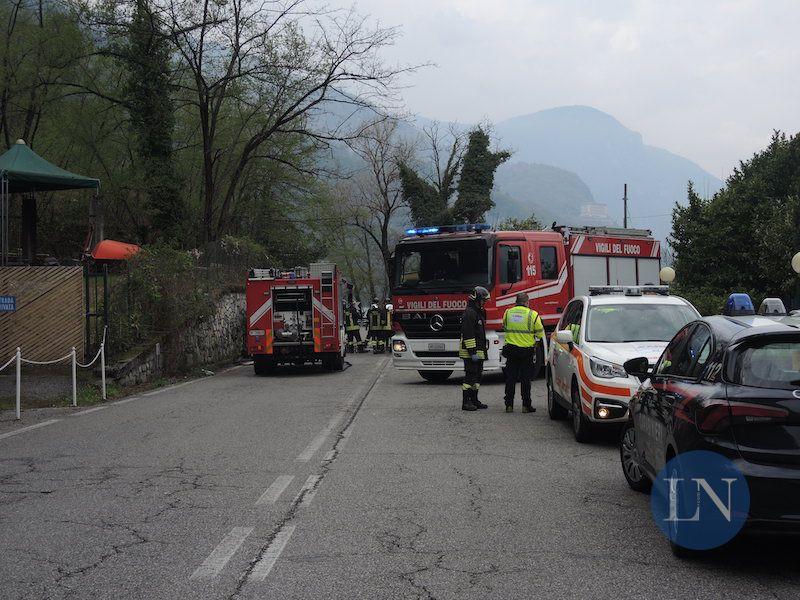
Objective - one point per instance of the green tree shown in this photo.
(530, 223)
(152, 111)
(743, 238)
(477, 178)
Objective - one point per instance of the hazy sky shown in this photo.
(707, 79)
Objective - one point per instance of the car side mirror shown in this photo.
(564, 336)
(638, 367)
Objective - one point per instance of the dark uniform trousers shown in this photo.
(519, 368)
(473, 372)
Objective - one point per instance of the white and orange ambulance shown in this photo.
(595, 336)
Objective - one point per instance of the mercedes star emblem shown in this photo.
(437, 322)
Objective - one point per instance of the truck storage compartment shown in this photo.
(292, 317)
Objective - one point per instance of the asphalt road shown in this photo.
(362, 484)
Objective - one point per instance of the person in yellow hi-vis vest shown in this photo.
(523, 330)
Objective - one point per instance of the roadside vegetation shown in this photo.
(743, 238)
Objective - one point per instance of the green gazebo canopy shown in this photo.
(26, 171)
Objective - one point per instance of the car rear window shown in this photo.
(774, 365)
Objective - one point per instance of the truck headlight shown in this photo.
(606, 370)
(398, 346)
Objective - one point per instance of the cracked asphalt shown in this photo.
(363, 484)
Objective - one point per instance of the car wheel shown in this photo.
(631, 468)
(581, 427)
(554, 409)
(677, 550)
(435, 376)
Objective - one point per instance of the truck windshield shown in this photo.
(617, 323)
(442, 265)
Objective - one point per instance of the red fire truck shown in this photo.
(295, 316)
(435, 267)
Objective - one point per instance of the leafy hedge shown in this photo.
(164, 289)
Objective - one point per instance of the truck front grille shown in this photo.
(423, 325)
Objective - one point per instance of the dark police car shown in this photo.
(730, 385)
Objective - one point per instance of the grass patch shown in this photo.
(88, 395)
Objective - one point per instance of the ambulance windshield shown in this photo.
(616, 323)
(457, 265)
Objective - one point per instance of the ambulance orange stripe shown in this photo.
(596, 387)
(586, 396)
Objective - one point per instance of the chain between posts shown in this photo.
(72, 357)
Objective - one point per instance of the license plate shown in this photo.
(436, 346)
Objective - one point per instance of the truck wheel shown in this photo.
(435, 376)
(338, 363)
(333, 362)
(262, 366)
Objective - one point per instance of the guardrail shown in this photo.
(72, 357)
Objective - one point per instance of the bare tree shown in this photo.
(375, 194)
(427, 188)
(256, 71)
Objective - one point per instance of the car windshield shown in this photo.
(637, 322)
(447, 265)
(772, 365)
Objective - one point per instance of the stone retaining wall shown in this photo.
(219, 338)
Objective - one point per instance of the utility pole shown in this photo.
(625, 207)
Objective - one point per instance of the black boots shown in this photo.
(470, 400)
(477, 402)
(466, 400)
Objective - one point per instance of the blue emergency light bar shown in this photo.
(477, 227)
(739, 305)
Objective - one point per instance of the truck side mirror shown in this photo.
(511, 268)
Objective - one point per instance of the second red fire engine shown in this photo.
(435, 268)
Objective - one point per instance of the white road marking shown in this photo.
(87, 411)
(275, 490)
(24, 429)
(308, 491)
(329, 455)
(220, 556)
(264, 566)
(317, 442)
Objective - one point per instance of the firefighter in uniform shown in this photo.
(387, 327)
(523, 330)
(352, 327)
(473, 347)
(375, 327)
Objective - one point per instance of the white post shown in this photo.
(103, 367)
(74, 378)
(19, 380)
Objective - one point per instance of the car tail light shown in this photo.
(715, 415)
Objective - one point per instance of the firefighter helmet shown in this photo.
(479, 293)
